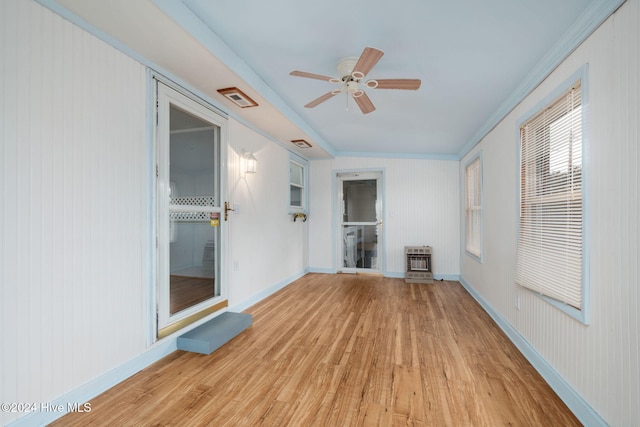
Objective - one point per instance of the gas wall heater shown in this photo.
(418, 264)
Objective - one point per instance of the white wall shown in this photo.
(600, 361)
(267, 247)
(75, 180)
(74, 169)
(421, 208)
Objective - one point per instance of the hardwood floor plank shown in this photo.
(344, 350)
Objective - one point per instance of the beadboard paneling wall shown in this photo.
(73, 208)
(421, 207)
(267, 247)
(600, 361)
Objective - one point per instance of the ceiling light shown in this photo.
(238, 97)
(301, 143)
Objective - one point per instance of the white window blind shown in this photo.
(474, 207)
(549, 258)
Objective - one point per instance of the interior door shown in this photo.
(359, 222)
(190, 243)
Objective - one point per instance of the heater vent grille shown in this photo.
(238, 97)
(418, 264)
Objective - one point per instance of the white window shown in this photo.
(550, 243)
(473, 208)
(297, 184)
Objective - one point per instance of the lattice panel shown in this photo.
(191, 201)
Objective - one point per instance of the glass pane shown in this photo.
(193, 264)
(360, 243)
(359, 200)
(296, 196)
(296, 174)
(193, 254)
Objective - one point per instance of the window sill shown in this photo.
(474, 256)
(579, 315)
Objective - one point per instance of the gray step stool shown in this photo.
(215, 333)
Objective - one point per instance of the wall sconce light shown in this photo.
(250, 162)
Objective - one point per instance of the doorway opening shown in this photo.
(359, 222)
(190, 184)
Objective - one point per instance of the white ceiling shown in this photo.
(475, 59)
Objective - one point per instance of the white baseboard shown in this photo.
(88, 391)
(436, 277)
(237, 308)
(580, 407)
(93, 388)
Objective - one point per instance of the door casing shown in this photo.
(353, 175)
(167, 95)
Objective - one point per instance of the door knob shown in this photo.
(227, 208)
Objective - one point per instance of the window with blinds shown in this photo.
(549, 258)
(473, 209)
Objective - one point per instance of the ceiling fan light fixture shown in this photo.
(345, 67)
(371, 84)
(352, 71)
(352, 87)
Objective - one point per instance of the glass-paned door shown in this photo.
(360, 222)
(189, 187)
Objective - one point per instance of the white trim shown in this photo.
(379, 155)
(304, 164)
(166, 96)
(436, 277)
(322, 270)
(188, 20)
(163, 348)
(580, 407)
(99, 385)
(597, 12)
(477, 156)
(582, 75)
(55, 7)
(379, 174)
(254, 299)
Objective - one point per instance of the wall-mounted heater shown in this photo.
(418, 264)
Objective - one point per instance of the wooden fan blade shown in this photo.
(310, 75)
(406, 84)
(320, 100)
(370, 57)
(365, 104)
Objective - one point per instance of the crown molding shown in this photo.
(585, 25)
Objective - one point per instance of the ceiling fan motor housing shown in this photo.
(351, 83)
(345, 67)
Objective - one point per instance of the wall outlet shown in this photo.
(517, 302)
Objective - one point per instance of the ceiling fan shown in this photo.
(353, 70)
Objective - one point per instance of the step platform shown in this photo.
(213, 334)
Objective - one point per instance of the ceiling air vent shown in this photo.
(301, 143)
(238, 97)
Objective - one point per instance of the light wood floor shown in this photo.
(343, 350)
(185, 291)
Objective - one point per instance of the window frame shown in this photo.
(580, 76)
(479, 208)
(304, 198)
